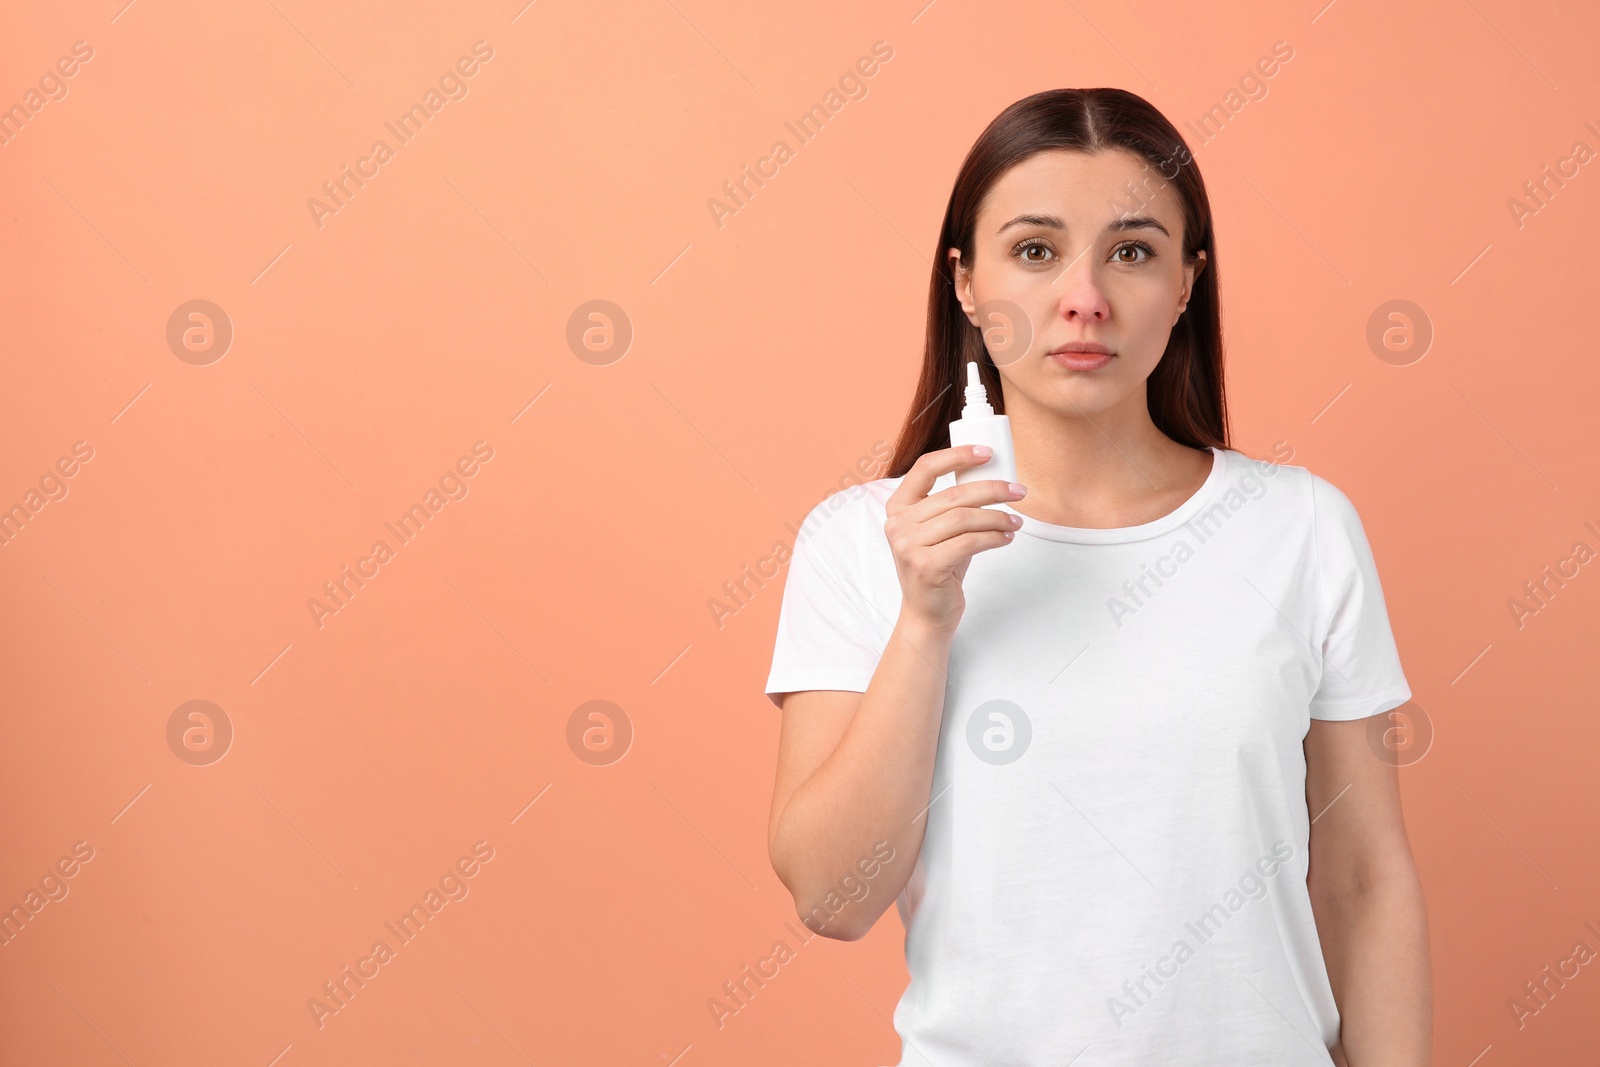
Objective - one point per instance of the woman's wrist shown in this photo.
(921, 631)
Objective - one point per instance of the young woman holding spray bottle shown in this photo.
(1112, 722)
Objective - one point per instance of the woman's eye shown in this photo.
(1024, 252)
(1136, 246)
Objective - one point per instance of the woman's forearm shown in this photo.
(1375, 944)
(875, 787)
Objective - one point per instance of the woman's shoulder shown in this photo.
(1300, 495)
(1247, 470)
(1274, 493)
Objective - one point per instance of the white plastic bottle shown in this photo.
(979, 425)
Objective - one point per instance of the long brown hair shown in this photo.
(1185, 390)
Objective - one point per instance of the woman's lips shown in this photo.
(1081, 360)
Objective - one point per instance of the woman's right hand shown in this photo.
(934, 538)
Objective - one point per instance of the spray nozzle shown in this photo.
(977, 396)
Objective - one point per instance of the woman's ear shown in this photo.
(961, 279)
(1190, 274)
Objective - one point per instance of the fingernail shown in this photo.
(982, 451)
(1020, 490)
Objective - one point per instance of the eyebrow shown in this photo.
(1126, 222)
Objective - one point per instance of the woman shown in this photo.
(1103, 735)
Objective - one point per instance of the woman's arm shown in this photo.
(855, 769)
(1367, 900)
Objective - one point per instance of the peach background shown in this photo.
(769, 355)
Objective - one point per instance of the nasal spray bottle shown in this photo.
(979, 425)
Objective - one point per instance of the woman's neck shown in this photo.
(1105, 470)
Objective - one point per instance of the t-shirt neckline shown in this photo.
(1118, 534)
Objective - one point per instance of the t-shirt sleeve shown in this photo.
(830, 632)
(1361, 672)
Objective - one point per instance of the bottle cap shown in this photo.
(977, 395)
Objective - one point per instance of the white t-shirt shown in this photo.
(1114, 864)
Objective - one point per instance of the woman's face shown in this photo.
(1065, 241)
